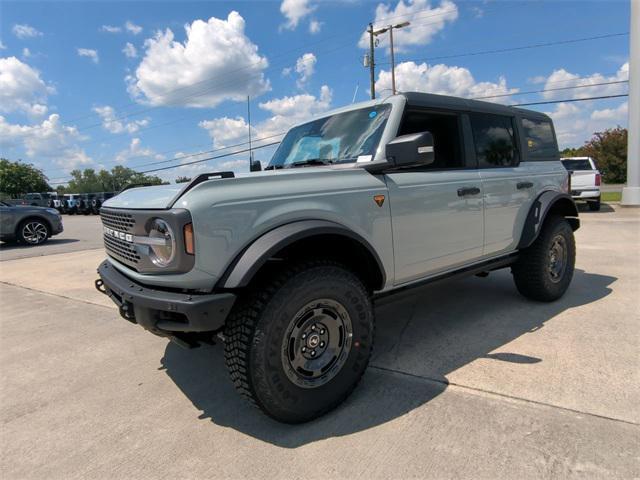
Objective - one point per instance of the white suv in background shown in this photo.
(585, 180)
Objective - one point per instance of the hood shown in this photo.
(159, 196)
(164, 196)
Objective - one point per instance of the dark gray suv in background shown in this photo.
(28, 225)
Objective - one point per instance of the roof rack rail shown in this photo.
(135, 185)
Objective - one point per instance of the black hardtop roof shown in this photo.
(418, 99)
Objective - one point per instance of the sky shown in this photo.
(153, 84)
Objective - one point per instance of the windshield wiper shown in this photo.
(311, 162)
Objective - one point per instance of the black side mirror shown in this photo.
(255, 166)
(414, 149)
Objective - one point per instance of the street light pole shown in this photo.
(393, 63)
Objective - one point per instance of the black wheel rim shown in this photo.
(317, 343)
(34, 233)
(557, 262)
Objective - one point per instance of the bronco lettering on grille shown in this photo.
(110, 232)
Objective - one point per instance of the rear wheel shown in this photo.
(594, 205)
(544, 270)
(298, 345)
(33, 232)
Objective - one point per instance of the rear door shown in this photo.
(436, 211)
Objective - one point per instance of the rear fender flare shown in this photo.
(546, 201)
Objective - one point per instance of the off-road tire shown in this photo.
(33, 228)
(594, 205)
(531, 272)
(260, 321)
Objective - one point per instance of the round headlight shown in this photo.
(162, 251)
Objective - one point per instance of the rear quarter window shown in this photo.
(539, 139)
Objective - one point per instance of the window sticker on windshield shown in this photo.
(373, 114)
(364, 158)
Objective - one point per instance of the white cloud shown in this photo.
(21, 88)
(618, 114)
(217, 62)
(113, 124)
(562, 78)
(305, 67)
(285, 112)
(439, 79)
(315, 26)
(2, 46)
(26, 53)
(48, 140)
(294, 11)
(136, 151)
(426, 22)
(23, 31)
(110, 29)
(89, 53)
(130, 50)
(226, 131)
(133, 28)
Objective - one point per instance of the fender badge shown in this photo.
(379, 199)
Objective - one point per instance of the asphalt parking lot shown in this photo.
(468, 380)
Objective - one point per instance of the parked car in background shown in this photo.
(28, 224)
(99, 199)
(38, 199)
(585, 180)
(70, 203)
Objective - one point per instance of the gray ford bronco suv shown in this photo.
(285, 264)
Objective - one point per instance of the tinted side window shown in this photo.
(494, 139)
(541, 145)
(446, 136)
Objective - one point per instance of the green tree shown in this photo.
(88, 181)
(18, 178)
(609, 149)
(183, 179)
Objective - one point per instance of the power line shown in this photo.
(569, 100)
(552, 89)
(514, 49)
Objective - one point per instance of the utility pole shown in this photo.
(249, 122)
(372, 64)
(631, 193)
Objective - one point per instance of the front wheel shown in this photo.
(33, 232)
(298, 345)
(544, 270)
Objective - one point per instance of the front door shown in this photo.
(437, 211)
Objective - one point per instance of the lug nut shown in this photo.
(313, 327)
(304, 335)
(304, 349)
(321, 344)
(313, 353)
(322, 332)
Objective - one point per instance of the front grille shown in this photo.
(120, 249)
(123, 222)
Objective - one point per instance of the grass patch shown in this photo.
(611, 196)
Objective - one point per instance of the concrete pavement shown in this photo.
(468, 380)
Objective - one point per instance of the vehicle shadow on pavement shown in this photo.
(419, 340)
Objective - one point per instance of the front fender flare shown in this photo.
(252, 258)
(546, 201)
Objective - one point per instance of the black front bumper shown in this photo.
(161, 311)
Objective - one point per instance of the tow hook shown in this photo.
(100, 286)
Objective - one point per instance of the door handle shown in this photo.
(523, 185)
(462, 192)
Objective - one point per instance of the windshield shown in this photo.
(340, 138)
(577, 164)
